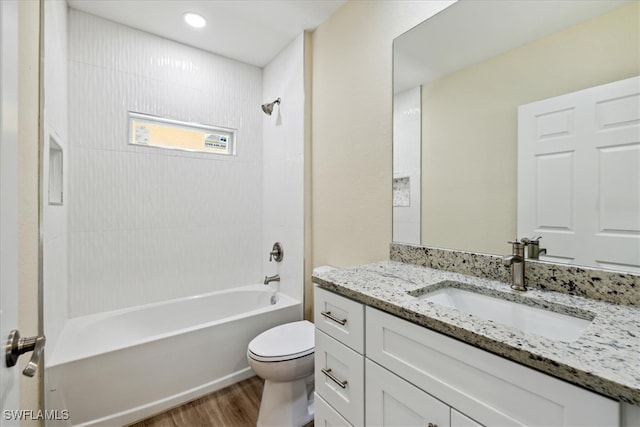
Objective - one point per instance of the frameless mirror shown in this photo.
(460, 80)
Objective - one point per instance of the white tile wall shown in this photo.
(149, 224)
(283, 175)
(55, 233)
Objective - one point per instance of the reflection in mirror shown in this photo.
(406, 165)
(476, 63)
(579, 175)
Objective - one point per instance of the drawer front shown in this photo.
(485, 387)
(392, 401)
(325, 416)
(339, 377)
(340, 318)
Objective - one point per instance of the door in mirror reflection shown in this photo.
(579, 176)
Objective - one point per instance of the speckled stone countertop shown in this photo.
(605, 358)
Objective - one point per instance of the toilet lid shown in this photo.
(284, 342)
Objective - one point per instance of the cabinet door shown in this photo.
(460, 420)
(339, 377)
(391, 401)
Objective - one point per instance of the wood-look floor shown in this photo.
(234, 406)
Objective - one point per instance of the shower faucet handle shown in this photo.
(277, 252)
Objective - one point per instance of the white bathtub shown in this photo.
(117, 367)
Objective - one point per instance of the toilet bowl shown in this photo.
(283, 357)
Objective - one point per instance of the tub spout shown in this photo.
(269, 279)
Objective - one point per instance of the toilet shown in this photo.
(283, 357)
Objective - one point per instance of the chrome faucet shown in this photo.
(269, 279)
(516, 262)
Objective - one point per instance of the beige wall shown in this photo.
(352, 126)
(470, 141)
(28, 93)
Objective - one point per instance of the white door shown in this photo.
(579, 175)
(8, 200)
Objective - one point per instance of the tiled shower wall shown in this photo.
(147, 224)
(54, 231)
(283, 166)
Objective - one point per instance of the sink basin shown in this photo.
(549, 324)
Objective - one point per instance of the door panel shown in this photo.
(9, 391)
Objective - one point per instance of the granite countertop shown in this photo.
(605, 358)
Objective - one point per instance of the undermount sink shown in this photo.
(544, 322)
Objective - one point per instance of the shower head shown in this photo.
(268, 108)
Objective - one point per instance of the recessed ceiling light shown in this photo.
(195, 20)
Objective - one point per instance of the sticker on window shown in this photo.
(158, 132)
(216, 141)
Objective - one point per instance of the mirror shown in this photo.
(459, 78)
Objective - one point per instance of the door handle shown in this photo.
(17, 346)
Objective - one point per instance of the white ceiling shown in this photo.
(250, 31)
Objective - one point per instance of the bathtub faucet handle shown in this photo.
(277, 252)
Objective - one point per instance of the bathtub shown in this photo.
(118, 367)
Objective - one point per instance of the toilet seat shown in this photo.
(285, 342)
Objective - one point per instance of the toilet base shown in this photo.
(286, 404)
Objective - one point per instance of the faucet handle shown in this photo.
(277, 252)
(517, 248)
(531, 241)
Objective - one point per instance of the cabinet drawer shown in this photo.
(392, 401)
(339, 377)
(488, 388)
(325, 416)
(340, 318)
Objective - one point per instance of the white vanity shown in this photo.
(374, 368)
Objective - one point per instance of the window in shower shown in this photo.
(153, 131)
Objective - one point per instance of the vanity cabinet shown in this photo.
(487, 388)
(415, 376)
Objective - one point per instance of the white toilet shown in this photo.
(283, 357)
